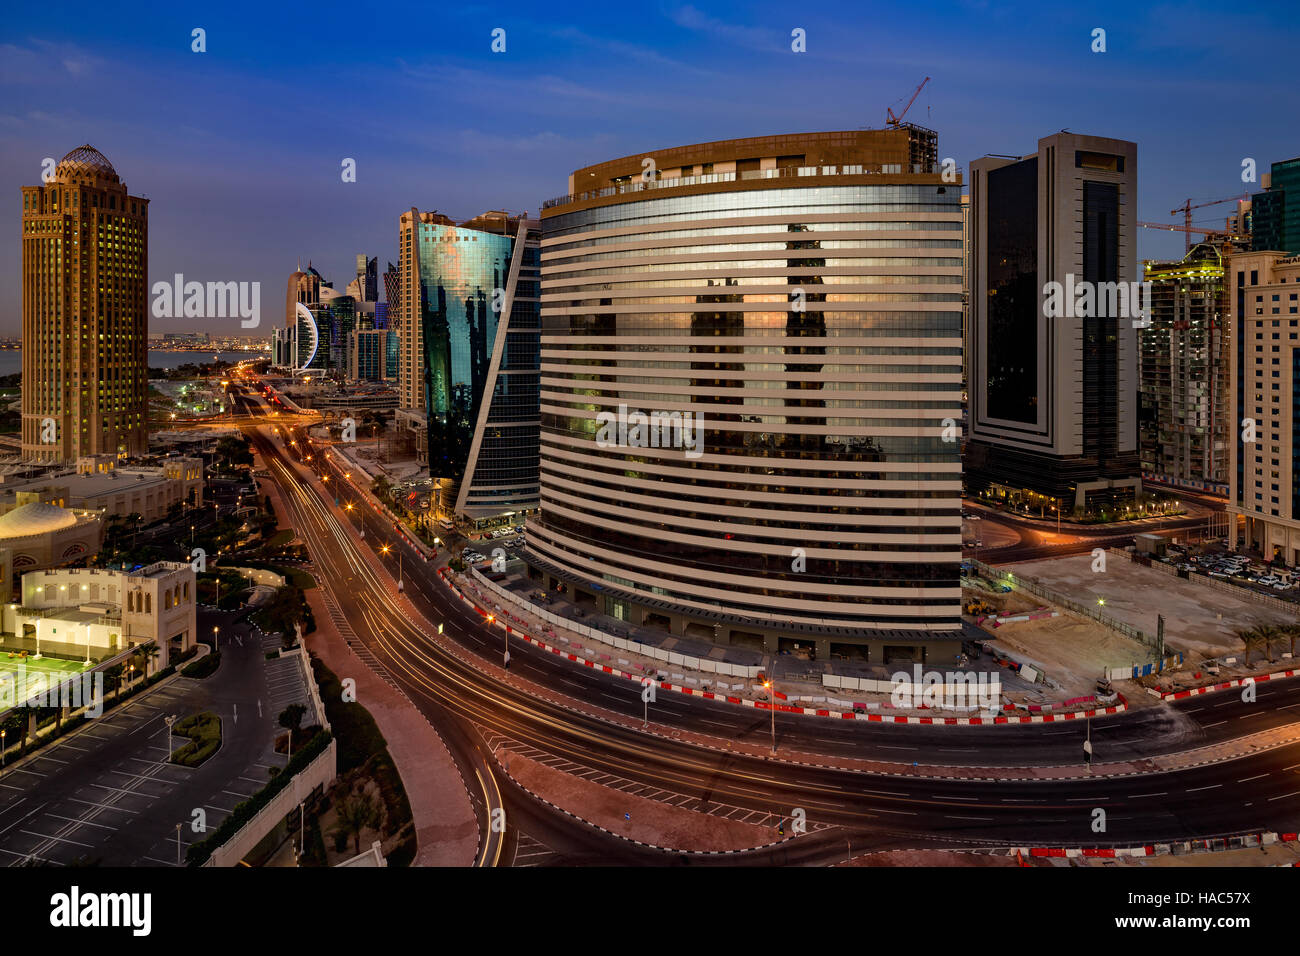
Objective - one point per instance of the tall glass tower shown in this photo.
(794, 304)
(468, 328)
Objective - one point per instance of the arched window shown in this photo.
(148, 604)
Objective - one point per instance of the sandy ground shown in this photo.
(652, 822)
(1198, 619)
(1072, 651)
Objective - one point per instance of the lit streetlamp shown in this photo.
(771, 703)
(384, 550)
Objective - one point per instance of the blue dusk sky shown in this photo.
(240, 148)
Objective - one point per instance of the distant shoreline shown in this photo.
(11, 361)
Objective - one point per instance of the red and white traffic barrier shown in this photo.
(1228, 685)
(855, 714)
(1246, 841)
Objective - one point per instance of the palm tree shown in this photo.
(355, 813)
(1291, 632)
(1251, 638)
(114, 674)
(1268, 634)
(144, 655)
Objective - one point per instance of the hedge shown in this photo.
(204, 731)
(204, 667)
(199, 853)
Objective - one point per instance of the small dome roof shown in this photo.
(86, 161)
(36, 517)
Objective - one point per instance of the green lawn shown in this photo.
(11, 661)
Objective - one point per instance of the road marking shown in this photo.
(1139, 796)
(46, 836)
(1212, 786)
(88, 823)
(1208, 726)
(1249, 779)
(1284, 796)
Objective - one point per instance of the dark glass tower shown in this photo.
(469, 333)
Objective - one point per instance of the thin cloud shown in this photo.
(754, 38)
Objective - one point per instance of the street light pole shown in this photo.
(169, 720)
(771, 703)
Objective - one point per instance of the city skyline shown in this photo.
(506, 128)
(729, 437)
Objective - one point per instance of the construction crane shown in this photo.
(893, 120)
(1195, 230)
(1187, 207)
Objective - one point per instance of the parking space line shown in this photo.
(79, 822)
(103, 806)
(46, 836)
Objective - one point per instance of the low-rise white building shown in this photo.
(99, 613)
(100, 484)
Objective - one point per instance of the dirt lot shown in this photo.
(1198, 619)
(1071, 651)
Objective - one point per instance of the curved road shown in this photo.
(471, 707)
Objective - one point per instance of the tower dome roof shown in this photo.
(86, 161)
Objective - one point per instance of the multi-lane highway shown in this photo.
(471, 707)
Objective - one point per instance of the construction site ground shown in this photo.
(1072, 651)
(1199, 620)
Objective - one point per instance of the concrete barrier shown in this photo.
(318, 773)
(704, 665)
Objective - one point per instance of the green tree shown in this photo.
(114, 676)
(1268, 634)
(1252, 638)
(291, 717)
(355, 813)
(283, 611)
(1291, 632)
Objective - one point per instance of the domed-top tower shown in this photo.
(85, 320)
(85, 162)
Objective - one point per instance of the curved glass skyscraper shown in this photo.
(751, 384)
(468, 327)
